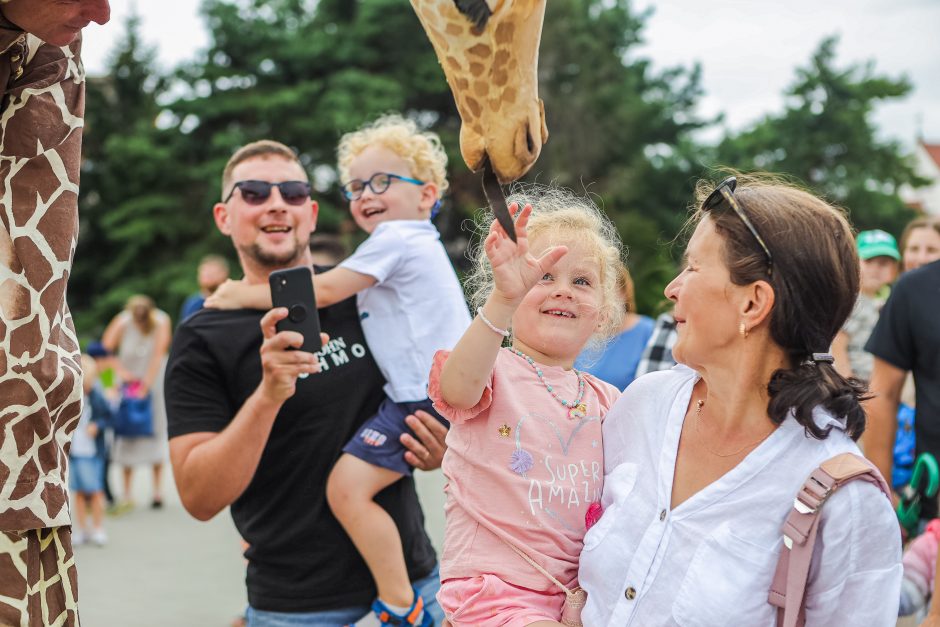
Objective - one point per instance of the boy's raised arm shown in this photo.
(330, 287)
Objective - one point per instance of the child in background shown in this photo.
(86, 462)
(879, 263)
(411, 304)
(524, 462)
(920, 567)
(110, 388)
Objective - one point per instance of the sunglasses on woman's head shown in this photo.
(257, 192)
(724, 194)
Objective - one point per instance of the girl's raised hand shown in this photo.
(515, 270)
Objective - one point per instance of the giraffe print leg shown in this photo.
(38, 582)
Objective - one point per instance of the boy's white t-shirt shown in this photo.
(416, 308)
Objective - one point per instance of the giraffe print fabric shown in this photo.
(40, 377)
(38, 583)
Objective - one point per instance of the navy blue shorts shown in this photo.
(377, 441)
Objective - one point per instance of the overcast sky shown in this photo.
(748, 50)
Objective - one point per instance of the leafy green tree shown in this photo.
(826, 137)
(620, 130)
(135, 195)
(304, 72)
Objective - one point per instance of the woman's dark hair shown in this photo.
(815, 278)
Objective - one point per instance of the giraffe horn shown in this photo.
(477, 11)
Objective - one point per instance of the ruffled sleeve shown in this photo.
(453, 414)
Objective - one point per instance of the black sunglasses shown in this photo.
(724, 193)
(257, 192)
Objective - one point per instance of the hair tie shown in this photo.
(823, 358)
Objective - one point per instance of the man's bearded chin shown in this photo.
(274, 261)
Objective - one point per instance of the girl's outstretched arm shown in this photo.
(467, 370)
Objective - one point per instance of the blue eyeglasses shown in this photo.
(378, 183)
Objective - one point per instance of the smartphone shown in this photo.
(293, 289)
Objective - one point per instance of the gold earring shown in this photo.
(743, 330)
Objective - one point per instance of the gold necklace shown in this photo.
(698, 416)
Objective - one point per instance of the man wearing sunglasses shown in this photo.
(245, 432)
(40, 377)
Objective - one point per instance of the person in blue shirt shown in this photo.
(615, 362)
(213, 272)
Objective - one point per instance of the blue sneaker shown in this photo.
(415, 617)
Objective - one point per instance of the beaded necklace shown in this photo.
(576, 408)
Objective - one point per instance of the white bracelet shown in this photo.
(492, 326)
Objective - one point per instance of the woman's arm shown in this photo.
(111, 339)
(855, 578)
(161, 346)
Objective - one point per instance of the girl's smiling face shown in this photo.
(562, 311)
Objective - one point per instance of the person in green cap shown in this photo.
(880, 261)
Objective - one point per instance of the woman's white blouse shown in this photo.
(710, 561)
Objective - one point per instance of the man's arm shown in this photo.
(840, 352)
(213, 469)
(882, 409)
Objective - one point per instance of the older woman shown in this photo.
(920, 242)
(703, 461)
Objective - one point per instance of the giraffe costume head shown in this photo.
(489, 52)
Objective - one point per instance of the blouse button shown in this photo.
(662, 515)
(630, 593)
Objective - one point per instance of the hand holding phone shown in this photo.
(293, 290)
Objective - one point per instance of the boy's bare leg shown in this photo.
(128, 476)
(350, 490)
(81, 511)
(157, 486)
(97, 510)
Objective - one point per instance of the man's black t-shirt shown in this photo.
(907, 336)
(300, 559)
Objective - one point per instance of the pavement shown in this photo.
(164, 568)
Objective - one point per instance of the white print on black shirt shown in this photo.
(336, 351)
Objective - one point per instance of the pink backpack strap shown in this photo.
(788, 590)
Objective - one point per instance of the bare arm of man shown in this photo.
(882, 409)
(840, 351)
(213, 469)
